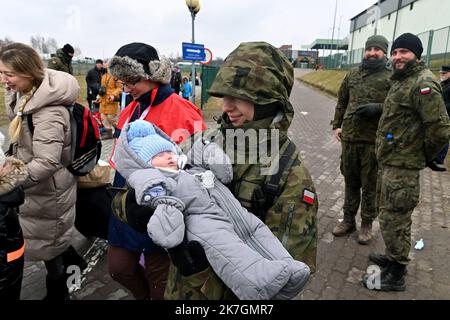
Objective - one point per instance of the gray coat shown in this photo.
(240, 248)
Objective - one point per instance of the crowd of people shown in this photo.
(213, 217)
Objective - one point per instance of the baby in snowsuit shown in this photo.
(240, 248)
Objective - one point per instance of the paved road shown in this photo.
(341, 262)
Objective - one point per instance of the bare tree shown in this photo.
(43, 45)
(52, 45)
(5, 41)
(77, 52)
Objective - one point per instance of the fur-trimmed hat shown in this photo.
(139, 61)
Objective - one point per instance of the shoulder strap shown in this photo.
(272, 188)
(30, 123)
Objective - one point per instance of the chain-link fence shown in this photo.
(436, 44)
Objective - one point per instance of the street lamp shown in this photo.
(194, 8)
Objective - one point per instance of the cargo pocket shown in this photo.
(403, 195)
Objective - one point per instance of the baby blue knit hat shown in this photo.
(146, 142)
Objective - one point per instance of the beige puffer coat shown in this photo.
(48, 214)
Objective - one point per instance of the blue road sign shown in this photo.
(193, 52)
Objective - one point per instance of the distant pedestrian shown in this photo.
(186, 91)
(93, 83)
(109, 96)
(175, 80)
(412, 130)
(62, 61)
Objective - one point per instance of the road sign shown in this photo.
(193, 52)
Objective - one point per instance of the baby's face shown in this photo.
(166, 160)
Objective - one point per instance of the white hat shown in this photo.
(2, 154)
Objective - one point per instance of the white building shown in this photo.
(429, 19)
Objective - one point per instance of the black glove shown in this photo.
(433, 165)
(189, 258)
(137, 216)
(370, 110)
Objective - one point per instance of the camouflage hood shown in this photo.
(256, 72)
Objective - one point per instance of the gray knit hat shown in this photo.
(139, 61)
(378, 41)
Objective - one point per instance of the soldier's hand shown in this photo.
(370, 110)
(189, 258)
(137, 216)
(338, 134)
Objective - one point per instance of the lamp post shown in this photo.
(194, 8)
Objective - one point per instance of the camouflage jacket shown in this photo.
(61, 62)
(360, 87)
(414, 126)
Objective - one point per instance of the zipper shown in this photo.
(240, 224)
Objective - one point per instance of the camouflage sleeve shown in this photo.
(292, 218)
(54, 64)
(341, 107)
(427, 97)
(126, 209)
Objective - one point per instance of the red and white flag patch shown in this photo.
(426, 90)
(309, 197)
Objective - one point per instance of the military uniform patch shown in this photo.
(426, 90)
(308, 197)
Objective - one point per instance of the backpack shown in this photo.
(86, 145)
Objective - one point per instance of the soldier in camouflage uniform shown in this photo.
(255, 83)
(62, 61)
(413, 128)
(355, 124)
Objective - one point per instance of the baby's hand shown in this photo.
(153, 192)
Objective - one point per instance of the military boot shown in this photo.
(381, 260)
(365, 233)
(345, 227)
(391, 278)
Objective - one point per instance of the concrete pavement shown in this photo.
(341, 261)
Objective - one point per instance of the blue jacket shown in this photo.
(187, 89)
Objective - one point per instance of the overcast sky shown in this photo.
(100, 27)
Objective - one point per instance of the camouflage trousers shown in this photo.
(205, 285)
(359, 168)
(398, 193)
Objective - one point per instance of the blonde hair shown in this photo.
(25, 61)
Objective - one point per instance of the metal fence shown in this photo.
(436, 44)
(80, 68)
(207, 77)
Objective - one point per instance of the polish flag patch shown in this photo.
(425, 90)
(308, 197)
